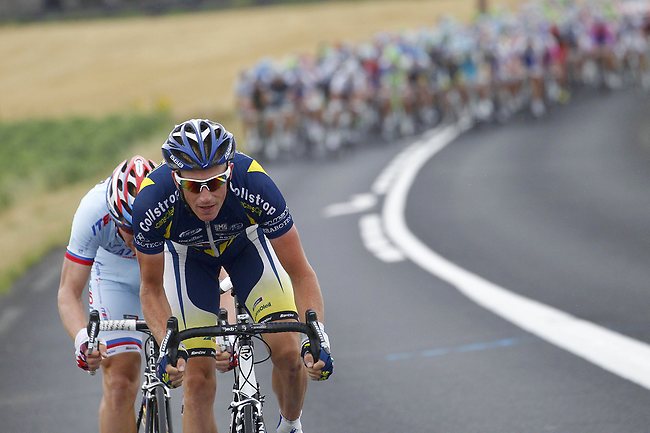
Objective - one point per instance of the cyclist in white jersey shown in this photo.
(101, 253)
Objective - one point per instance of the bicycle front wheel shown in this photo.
(248, 419)
(157, 413)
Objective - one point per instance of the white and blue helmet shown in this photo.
(197, 144)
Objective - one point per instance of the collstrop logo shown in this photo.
(254, 199)
(163, 208)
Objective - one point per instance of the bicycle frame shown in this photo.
(246, 407)
(155, 395)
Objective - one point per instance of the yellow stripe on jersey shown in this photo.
(224, 245)
(146, 182)
(256, 167)
(221, 247)
(168, 230)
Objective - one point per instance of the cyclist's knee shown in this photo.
(121, 383)
(200, 378)
(286, 354)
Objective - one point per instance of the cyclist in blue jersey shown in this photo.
(211, 208)
(101, 252)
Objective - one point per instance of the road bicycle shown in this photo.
(246, 406)
(155, 404)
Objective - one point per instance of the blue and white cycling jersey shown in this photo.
(114, 285)
(252, 199)
(253, 212)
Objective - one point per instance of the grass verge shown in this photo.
(40, 218)
(187, 62)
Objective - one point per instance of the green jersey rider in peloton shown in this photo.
(101, 250)
(210, 207)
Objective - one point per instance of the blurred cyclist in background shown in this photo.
(101, 251)
(211, 208)
(488, 70)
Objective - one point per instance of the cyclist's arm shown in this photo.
(74, 277)
(306, 292)
(155, 307)
(226, 300)
(303, 278)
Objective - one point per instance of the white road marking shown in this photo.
(616, 353)
(376, 242)
(8, 317)
(358, 203)
(385, 179)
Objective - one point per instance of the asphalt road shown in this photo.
(553, 210)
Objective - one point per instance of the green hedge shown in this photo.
(47, 154)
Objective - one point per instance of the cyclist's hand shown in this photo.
(324, 368)
(94, 359)
(225, 360)
(321, 370)
(172, 376)
(85, 361)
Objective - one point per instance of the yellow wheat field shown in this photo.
(188, 62)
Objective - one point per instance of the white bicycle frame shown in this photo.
(245, 390)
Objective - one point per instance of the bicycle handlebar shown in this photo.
(95, 325)
(173, 337)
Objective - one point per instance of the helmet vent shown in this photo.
(126, 208)
(198, 144)
(133, 191)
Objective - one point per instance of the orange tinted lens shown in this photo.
(195, 185)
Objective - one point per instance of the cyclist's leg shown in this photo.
(121, 379)
(116, 298)
(191, 289)
(266, 289)
(200, 384)
(289, 375)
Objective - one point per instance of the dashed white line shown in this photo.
(616, 353)
(358, 203)
(375, 241)
(385, 179)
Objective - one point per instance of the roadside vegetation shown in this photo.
(153, 72)
(47, 155)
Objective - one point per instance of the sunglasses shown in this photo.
(196, 185)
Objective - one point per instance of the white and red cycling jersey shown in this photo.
(114, 284)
